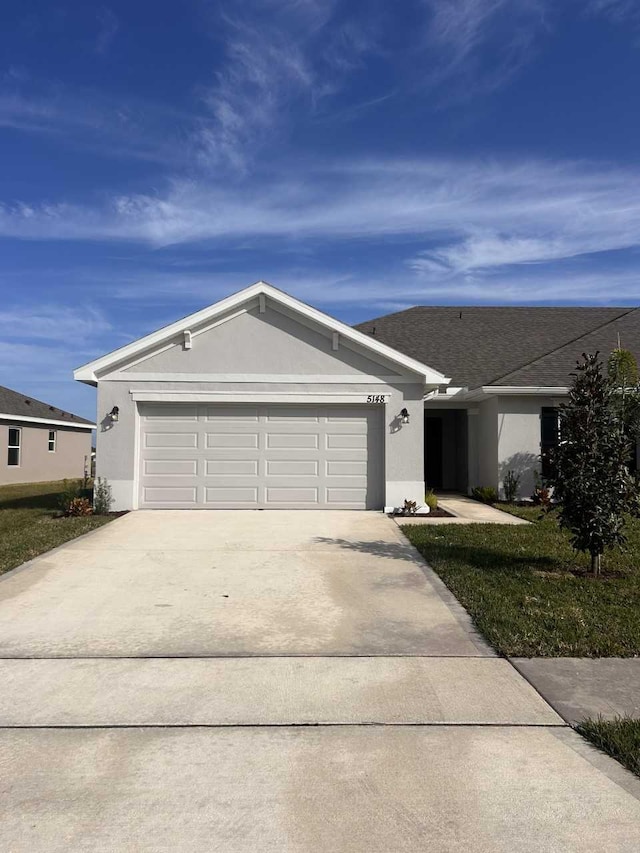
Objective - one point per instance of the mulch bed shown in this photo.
(435, 513)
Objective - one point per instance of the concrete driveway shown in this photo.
(283, 682)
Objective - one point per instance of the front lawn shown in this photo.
(530, 595)
(29, 522)
(619, 737)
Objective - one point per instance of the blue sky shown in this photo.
(364, 155)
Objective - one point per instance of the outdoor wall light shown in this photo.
(404, 414)
(114, 414)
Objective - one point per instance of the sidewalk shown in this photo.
(578, 688)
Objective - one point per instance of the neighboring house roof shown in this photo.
(198, 322)
(530, 347)
(14, 405)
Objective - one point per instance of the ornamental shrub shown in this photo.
(485, 494)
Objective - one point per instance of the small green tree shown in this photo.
(622, 369)
(591, 479)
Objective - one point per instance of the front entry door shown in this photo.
(433, 453)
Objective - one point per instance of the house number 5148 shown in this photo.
(375, 398)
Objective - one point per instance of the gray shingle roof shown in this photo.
(506, 346)
(14, 403)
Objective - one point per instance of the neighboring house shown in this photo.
(40, 442)
(263, 401)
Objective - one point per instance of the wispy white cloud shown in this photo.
(618, 11)
(264, 70)
(377, 291)
(52, 323)
(467, 214)
(88, 119)
(553, 284)
(280, 57)
(482, 43)
(277, 61)
(108, 27)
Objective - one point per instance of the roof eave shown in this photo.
(485, 391)
(8, 416)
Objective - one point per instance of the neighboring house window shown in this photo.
(13, 450)
(52, 441)
(549, 438)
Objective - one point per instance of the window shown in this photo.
(13, 449)
(549, 438)
(52, 441)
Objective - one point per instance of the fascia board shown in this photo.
(25, 419)
(528, 390)
(87, 372)
(486, 391)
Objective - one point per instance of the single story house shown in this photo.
(40, 441)
(261, 401)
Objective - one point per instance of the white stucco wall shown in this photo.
(116, 450)
(519, 438)
(485, 424)
(261, 346)
(269, 343)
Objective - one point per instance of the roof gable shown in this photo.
(262, 293)
(251, 343)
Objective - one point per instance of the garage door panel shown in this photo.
(292, 467)
(293, 440)
(169, 440)
(340, 441)
(262, 456)
(238, 414)
(238, 467)
(170, 495)
(168, 413)
(225, 495)
(232, 439)
(346, 468)
(349, 422)
(288, 414)
(355, 496)
(169, 467)
(291, 495)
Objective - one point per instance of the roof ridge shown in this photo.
(467, 307)
(562, 346)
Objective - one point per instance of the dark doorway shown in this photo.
(445, 449)
(433, 452)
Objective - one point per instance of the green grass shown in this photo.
(530, 594)
(30, 522)
(620, 738)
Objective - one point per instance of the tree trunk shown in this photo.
(595, 564)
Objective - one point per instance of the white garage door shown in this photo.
(244, 456)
